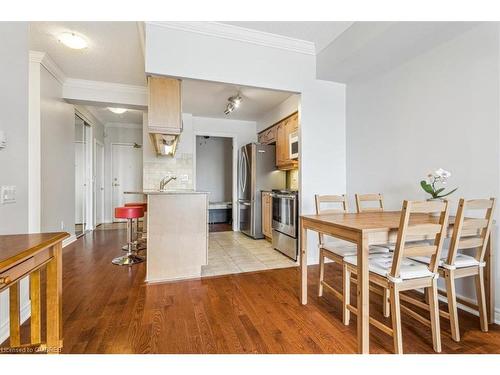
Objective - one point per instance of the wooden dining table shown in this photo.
(363, 230)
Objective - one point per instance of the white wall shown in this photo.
(14, 67)
(14, 122)
(123, 133)
(206, 57)
(214, 167)
(57, 127)
(284, 109)
(441, 109)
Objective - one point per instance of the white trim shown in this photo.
(112, 94)
(105, 86)
(46, 61)
(122, 125)
(34, 142)
(142, 37)
(234, 138)
(466, 308)
(242, 34)
(69, 240)
(97, 189)
(25, 313)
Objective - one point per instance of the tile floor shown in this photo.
(233, 252)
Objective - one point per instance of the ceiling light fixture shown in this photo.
(118, 111)
(72, 40)
(233, 103)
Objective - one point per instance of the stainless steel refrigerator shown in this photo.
(257, 172)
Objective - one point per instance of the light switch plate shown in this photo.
(7, 194)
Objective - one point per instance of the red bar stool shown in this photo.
(129, 213)
(140, 232)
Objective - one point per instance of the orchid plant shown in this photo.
(434, 182)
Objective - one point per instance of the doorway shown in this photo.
(214, 173)
(82, 157)
(126, 172)
(99, 183)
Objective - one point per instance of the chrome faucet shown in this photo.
(165, 180)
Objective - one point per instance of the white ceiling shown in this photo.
(370, 48)
(114, 53)
(103, 114)
(209, 99)
(206, 99)
(321, 33)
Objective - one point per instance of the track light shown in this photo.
(233, 103)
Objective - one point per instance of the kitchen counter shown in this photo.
(163, 192)
(177, 234)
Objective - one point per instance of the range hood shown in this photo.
(165, 144)
(164, 114)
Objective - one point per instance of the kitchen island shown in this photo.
(177, 234)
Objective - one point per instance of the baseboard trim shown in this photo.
(69, 240)
(463, 307)
(25, 313)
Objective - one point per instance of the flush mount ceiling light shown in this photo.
(118, 111)
(233, 103)
(72, 40)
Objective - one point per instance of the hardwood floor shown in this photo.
(109, 309)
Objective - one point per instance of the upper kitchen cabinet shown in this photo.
(164, 105)
(285, 135)
(286, 142)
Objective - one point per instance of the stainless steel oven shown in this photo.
(285, 222)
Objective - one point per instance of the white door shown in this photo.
(126, 175)
(99, 184)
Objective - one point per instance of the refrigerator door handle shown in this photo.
(245, 165)
(241, 174)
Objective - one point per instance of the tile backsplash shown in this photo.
(180, 166)
(292, 179)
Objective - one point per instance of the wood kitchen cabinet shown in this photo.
(164, 105)
(268, 136)
(285, 129)
(279, 134)
(267, 214)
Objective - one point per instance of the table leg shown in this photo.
(303, 264)
(363, 290)
(489, 281)
(54, 301)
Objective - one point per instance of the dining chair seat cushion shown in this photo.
(461, 261)
(381, 264)
(350, 250)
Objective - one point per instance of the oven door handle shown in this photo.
(279, 196)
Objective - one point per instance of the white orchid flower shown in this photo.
(443, 173)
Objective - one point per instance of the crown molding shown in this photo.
(46, 61)
(242, 34)
(101, 85)
(122, 125)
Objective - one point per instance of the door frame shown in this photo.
(111, 213)
(95, 187)
(234, 137)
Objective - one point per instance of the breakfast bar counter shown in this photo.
(177, 234)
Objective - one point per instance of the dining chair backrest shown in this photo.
(471, 232)
(322, 200)
(360, 198)
(417, 222)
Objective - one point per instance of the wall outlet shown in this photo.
(7, 194)
(62, 225)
